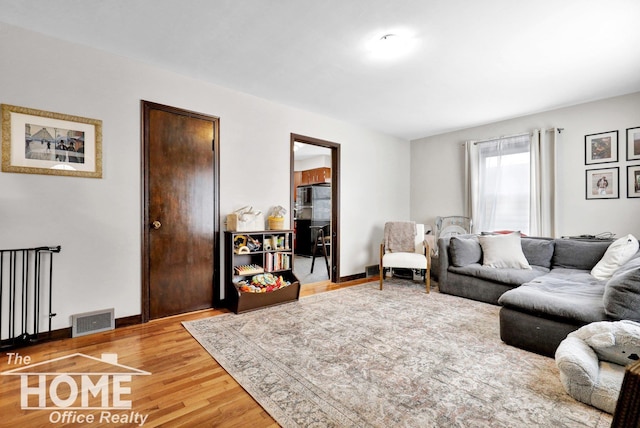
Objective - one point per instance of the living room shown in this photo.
(97, 222)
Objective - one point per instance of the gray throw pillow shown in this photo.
(464, 251)
(538, 251)
(578, 254)
(622, 293)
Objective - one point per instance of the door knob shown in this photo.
(156, 225)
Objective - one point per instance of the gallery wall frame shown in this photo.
(633, 181)
(603, 183)
(601, 148)
(44, 142)
(633, 143)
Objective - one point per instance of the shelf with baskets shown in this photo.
(259, 269)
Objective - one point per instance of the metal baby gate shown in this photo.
(26, 285)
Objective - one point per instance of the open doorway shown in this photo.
(314, 208)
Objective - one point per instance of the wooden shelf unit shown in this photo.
(278, 249)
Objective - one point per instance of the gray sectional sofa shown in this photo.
(541, 305)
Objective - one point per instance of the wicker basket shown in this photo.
(627, 412)
(276, 223)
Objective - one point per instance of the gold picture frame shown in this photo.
(43, 142)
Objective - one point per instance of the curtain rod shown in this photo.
(514, 135)
(500, 138)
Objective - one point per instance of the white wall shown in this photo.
(437, 167)
(98, 221)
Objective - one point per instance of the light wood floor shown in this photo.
(186, 387)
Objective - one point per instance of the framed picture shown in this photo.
(602, 183)
(633, 181)
(601, 148)
(633, 143)
(42, 142)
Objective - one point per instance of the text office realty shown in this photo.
(78, 388)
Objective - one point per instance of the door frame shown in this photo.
(335, 196)
(146, 107)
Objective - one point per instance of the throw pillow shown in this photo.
(577, 253)
(618, 253)
(464, 251)
(622, 293)
(503, 251)
(538, 251)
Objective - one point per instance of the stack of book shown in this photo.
(277, 261)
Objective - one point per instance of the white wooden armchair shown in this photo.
(404, 258)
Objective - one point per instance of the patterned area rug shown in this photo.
(361, 357)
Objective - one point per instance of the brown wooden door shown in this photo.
(180, 201)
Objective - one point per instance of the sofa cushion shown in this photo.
(538, 251)
(622, 292)
(577, 254)
(508, 276)
(464, 251)
(503, 251)
(565, 293)
(616, 255)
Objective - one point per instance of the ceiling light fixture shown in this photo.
(391, 45)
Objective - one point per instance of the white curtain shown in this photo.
(542, 220)
(471, 161)
(510, 183)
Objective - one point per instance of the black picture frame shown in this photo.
(633, 143)
(601, 148)
(603, 183)
(633, 181)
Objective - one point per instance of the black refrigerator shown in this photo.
(313, 208)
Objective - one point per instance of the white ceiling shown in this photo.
(475, 62)
(307, 151)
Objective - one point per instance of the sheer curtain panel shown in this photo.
(510, 183)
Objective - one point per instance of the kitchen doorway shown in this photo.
(315, 208)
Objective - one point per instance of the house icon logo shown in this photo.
(79, 388)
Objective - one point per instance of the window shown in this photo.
(502, 185)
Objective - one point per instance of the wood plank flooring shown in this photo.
(186, 387)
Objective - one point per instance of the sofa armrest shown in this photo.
(443, 259)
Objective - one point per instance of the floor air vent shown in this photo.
(92, 322)
(372, 270)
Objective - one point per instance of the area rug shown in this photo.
(361, 357)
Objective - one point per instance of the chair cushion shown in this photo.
(565, 293)
(508, 276)
(404, 260)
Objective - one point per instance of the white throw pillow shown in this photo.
(618, 253)
(503, 251)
